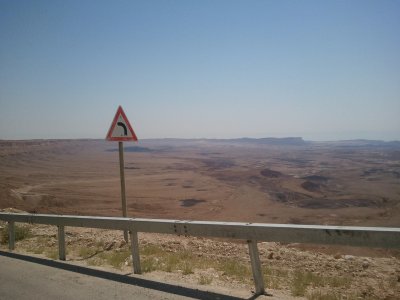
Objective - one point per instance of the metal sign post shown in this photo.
(122, 175)
(121, 130)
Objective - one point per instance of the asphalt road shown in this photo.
(25, 277)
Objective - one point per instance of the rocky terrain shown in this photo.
(266, 180)
(289, 270)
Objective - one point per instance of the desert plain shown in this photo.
(253, 180)
(269, 180)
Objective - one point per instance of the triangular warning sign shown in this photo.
(121, 129)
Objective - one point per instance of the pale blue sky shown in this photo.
(323, 70)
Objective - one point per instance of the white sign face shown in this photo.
(121, 129)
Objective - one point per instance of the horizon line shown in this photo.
(214, 139)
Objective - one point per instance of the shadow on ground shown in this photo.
(145, 283)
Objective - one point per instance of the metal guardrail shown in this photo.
(381, 237)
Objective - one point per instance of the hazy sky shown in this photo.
(323, 70)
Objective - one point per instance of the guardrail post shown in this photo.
(11, 235)
(256, 267)
(135, 252)
(61, 242)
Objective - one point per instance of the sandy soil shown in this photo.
(206, 180)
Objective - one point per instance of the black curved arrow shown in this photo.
(124, 127)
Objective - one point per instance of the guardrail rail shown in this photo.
(381, 237)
